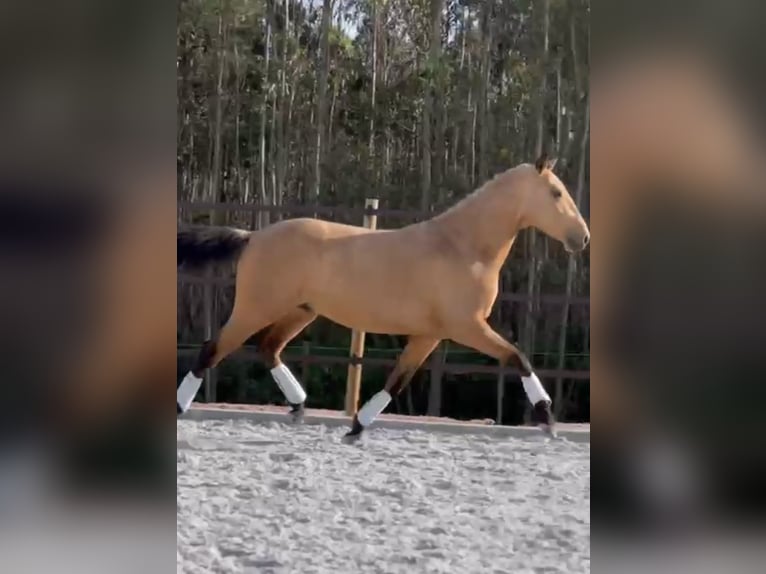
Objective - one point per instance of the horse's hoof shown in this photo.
(355, 433)
(549, 430)
(296, 414)
(351, 437)
(543, 418)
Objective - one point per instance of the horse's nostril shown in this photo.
(577, 242)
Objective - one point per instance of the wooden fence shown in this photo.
(305, 358)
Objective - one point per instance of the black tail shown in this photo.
(201, 245)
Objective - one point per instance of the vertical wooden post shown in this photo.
(354, 379)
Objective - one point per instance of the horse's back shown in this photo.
(296, 247)
(314, 229)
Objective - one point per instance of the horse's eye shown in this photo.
(556, 193)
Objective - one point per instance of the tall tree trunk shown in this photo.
(289, 156)
(481, 102)
(469, 160)
(474, 116)
(386, 161)
(543, 69)
(533, 266)
(331, 118)
(237, 160)
(215, 168)
(578, 81)
(273, 143)
(456, 135)
(437, 89)
(558, 108)
(264, 216)
(425, 148)
(374, 62)
(323, 72)
(284, 106)
(248, 196)
(575, 60)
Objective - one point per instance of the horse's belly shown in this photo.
(382, 318)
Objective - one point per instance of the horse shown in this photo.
(429, 281)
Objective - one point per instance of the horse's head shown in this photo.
(548, 206)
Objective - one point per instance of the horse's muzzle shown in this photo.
(576, 242)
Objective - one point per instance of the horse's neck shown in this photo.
(473, 227)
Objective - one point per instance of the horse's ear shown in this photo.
(541, 161)
(544, 162)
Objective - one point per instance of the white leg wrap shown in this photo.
(534, 389)
(372, 408)
(187, 390)
(288, 384)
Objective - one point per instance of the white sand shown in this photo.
(279, 499)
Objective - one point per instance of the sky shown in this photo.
(350, 28)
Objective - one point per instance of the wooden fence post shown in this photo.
(354, 378)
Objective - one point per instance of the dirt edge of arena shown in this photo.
(576, 432)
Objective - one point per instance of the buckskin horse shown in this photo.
(433, 280)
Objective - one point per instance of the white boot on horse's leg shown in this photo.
(292, 390)
(186, 391)
(367, 415)
(541, 403)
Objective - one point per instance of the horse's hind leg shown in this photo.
(271, 343)
(416, 351)
(235, 332)
(480, 336)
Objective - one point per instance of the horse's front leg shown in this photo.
(480, 336)
(416, 351)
